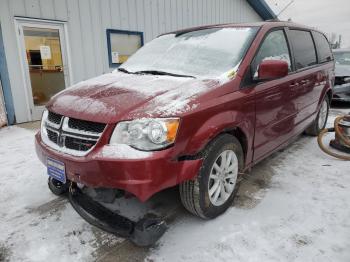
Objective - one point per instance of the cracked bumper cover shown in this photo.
(144, 232)
(141, 177)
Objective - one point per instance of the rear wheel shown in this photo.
(321, 119)
(213, 191)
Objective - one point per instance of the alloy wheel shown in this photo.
(223, 177)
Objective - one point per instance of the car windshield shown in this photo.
(202, 53)
(342, 58)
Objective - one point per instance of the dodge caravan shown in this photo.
(195, 108)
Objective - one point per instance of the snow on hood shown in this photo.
(113, 95)
(342, 70)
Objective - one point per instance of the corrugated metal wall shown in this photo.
(87, 21)
(3, 120)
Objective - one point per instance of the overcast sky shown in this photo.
(329, 16)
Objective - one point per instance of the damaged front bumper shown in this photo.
(144, 232)
(140, 177)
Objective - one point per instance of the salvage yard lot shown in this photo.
(293, 206)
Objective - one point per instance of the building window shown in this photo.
(121, 45)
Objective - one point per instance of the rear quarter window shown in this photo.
(303, 48)
(323, 49)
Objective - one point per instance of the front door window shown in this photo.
(274, 47)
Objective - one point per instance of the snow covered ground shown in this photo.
(294, 206)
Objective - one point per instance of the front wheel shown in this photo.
(213, 191)
(57, 187)
(321, 119)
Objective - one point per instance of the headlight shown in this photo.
(42, 126)
(146, 133)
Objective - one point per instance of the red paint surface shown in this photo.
(272, 69)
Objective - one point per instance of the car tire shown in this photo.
(321, 120)
(57, 187)
(197, 195)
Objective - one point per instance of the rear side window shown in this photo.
(323, 50)
(274, 47)
(303, 48)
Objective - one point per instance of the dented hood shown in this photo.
(116, 96)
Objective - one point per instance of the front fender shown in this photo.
(226, 114)
(213, 126)
(223, 122)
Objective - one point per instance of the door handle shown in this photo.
(273, 97)
(294, 86)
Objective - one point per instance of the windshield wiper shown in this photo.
(124, 70)
(156, 72)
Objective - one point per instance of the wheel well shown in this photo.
(236, 132)
(239, 134)
(330, 95)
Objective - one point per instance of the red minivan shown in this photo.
(195, 108)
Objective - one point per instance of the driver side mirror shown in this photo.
(272, 69)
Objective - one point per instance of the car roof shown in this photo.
(264, 24)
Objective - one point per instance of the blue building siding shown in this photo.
(5, 81)
(262, 8)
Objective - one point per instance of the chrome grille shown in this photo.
(54, 118)
(86, 126)
(70, 135)
(79, 144)
(53, 136)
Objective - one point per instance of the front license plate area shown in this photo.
(56, 169)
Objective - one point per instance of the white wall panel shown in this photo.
(75, 41)
(140, 14)
(32, 8)
(124, 14)
(61, 9)
(7, 12)
(115, 13)
(47, 9)
(148, 33)
(16, 7)
(96, 30)
(106, 22)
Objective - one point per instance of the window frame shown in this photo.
(110, 31)
(262, 42)
(248, 80)
(314, 44)
(313, 32)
